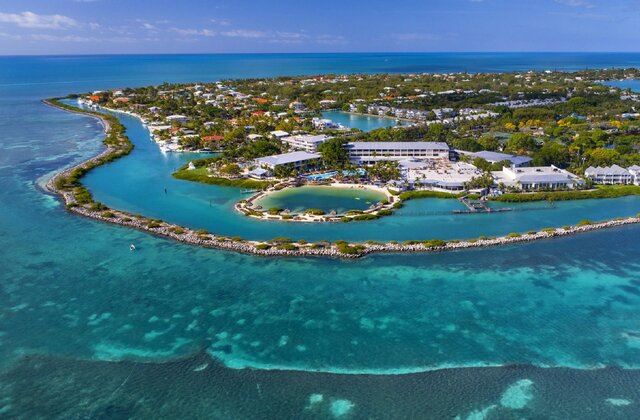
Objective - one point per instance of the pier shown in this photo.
(477, 206)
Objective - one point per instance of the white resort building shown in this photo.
(306, 142)
(635, 171)
(371, 152)
(609, 175)
(296, 160)
(536, 178)
(438, 174)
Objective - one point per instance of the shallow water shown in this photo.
(361, 122)
(327, 199)
(70, 287)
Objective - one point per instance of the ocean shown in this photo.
(90, 329)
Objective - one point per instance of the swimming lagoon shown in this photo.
(325, 198)
(361, 121)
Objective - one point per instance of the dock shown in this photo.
(477, 206)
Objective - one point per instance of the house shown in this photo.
(609, 175)
(295, 160)
(371, 152)
(635, 172)
(253, 137)
(495, 157)
(279, 134)
(177, 118)
(308, 143)
(259, 173)
(536, 178)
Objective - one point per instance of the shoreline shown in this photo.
(381, 209)
(285, 248)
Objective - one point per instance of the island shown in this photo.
(478, 138)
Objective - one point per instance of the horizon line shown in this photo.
(316, 53)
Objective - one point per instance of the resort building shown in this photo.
(495, 157)
(296, 160)
(609, 175)
(438, 174)
(306, 142)
(536, 178)
(635, 172)
(371, 152)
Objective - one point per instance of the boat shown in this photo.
(132, 247)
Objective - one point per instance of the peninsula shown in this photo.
(480, 138)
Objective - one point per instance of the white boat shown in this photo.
(132, 247)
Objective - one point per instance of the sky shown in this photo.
(248, 26)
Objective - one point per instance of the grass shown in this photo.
(608, 191)
(201, 175)
(413, 195)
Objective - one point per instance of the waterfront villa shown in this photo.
(536, 178)
(305, 142)
(371, 152)
(297, 160)
(495, 157)
(609, 175)
(635, 171)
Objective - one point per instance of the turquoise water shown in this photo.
(137, 184)
(625, 84)
(328, 199)
(71, 291)
(361, 122)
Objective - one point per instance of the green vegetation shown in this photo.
(201, 175)
(345, 248)
(413, 195)
(315, 212)
(608, 191)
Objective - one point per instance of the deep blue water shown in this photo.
(70, 287)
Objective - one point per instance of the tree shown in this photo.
(484, 181)
(334, 155)
(384, 171)
(520, 143)
(552, 153)
(602, 157)
(489, 142)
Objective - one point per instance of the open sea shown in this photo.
(89, 329)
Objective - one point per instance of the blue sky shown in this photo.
(222, 26)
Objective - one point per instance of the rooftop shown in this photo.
(285, 158)
(398, 145)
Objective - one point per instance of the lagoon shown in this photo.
(361, 121)
(324, 198)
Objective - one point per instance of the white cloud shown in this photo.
(221, 22)
(194, 32)
(576, 3)
(415, 36)
(33, 20)
(244, 33)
